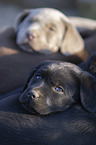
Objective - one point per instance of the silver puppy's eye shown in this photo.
(51, 28)
(30, 21)
(59, 89)
(38, 77)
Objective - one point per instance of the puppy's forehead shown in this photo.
(47, 13)
(58, 65)
(65, 66)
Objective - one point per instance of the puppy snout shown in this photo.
(33, 95)
(32, 35)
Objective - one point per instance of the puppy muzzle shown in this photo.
(31, 36)
(33, 95)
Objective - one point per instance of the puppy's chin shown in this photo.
(29, 109)
(27, 48)
(45, 51)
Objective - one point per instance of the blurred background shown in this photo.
(9, 9)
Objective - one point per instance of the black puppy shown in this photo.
(51, 84)
(55, 86)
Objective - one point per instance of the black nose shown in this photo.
(33, 94)
(31, 35)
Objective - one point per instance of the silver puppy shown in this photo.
(47, 30)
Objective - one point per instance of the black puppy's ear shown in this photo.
(88, 91)
(20, 18)
(34, 69)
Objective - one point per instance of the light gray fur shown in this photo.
(50, 30)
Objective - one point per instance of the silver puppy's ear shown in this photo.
(72, 42)
(88, 92)
(20, 17)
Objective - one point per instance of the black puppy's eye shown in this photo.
(38, 77)
(59, 89)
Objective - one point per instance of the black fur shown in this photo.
(75, 125)
(59, 86)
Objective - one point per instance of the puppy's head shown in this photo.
(46, 30)
(55, 86)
